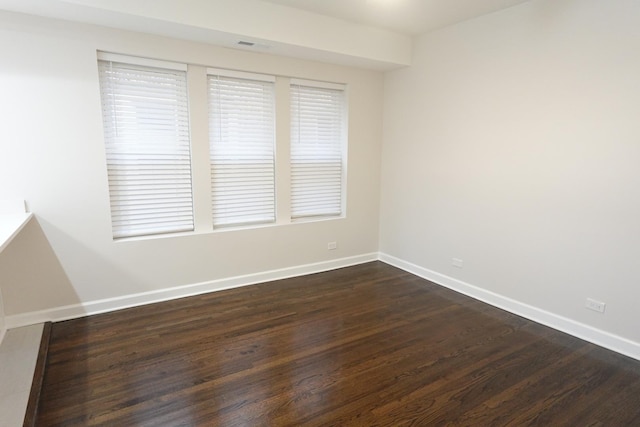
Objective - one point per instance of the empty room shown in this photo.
(319, 212)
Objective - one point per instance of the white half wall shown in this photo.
(13, 218)
(512, 144)
(52, 155)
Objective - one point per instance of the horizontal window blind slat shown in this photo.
(151, 229)
(146, 174)
(258, 203)
(252, 177)
(316, 191)
(151, 220)
(147, 144)
(240, 209)
(244, 173)
(124, 182)
(238, 216)
(149, 162)
(159, 177)
(235, 183)
(129, 226)
(120, 188)
(265, 191)
(151, 217)
(244, 221)
(138, 231)
(152, 213)
(155, 202)
(148, 196)
(247, 191)
(132, 228)
(318, 169)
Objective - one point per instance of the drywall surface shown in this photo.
(52, 154)
(512, 144)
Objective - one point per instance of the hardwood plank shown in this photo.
(365, 345)
(33, 403)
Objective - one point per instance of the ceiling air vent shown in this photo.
(244, 43)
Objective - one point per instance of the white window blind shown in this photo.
(242, 138)
(317, 147)
(146, 126)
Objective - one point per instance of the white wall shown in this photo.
(52, 155)
(512, 143)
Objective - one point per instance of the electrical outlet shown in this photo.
(594, 305)
(457, 262)
(332, 245)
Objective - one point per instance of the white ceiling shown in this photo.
(411, 17)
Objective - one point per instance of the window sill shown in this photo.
(230, 229)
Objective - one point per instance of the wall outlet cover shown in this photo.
(594, 305)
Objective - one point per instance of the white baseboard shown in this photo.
(571, 327)
(111, 304)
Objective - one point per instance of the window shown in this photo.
(317, 146)
(146, 125)
(242, 139)
(163, 178)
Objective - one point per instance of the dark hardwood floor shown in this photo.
(368, 345)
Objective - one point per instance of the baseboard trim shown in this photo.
(580, 330)
(112, 304)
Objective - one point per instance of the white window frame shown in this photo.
(313, 189)
(242, 140)
(148, 149)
